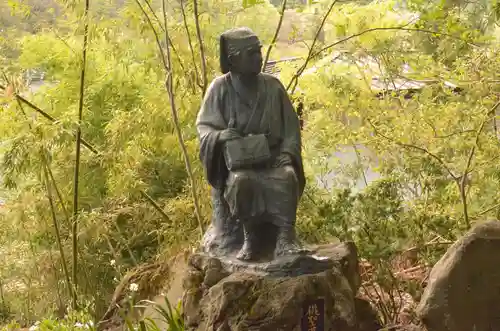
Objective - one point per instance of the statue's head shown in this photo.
(240, 52)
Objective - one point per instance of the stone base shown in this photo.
(318, 259)
(225, 294)
(286, 266)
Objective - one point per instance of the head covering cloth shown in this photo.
(232, 42)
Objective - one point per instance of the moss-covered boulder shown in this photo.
(463, 292)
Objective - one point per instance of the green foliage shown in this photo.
(420, 144)
(171, 316)
(126, 118)
(170, 320)
(72, 321)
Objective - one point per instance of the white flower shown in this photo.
(113, 262)
(134, 287)
(34, 326)
(78, 325)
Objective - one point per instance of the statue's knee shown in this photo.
(240, 179)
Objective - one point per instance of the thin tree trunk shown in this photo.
(2, 298)
(295, 79)
(60, 300)
(167, 64)
(190, 43)
(21, 100)
(55, 223)
(58, 193)
(170, 89)
(360, 163)
(462, 183)
(173, 48)
(200, 43)
(276, 34)
(48, 171)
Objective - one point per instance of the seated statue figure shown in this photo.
(267, 186)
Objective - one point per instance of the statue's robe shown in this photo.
(249, 194)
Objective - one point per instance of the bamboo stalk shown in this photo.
(48, 173)
(55, 223)
(167, 63)
(74, 230)
(91, 148)
(170, 89)
(156, 206)
(23, 100)
(200, 43)
(190, 43)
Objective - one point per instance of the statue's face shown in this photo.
(249, 61)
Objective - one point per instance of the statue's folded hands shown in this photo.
(228, 134)
(282, 160)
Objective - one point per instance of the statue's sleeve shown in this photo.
(210, 122)
(291, 143)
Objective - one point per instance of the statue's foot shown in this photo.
(289, 248)
(287, 243)
(245, 253)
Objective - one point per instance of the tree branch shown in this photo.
(154, 14)
(156, 206)
(58, 192)
(295, 79)
(276, 34)
(448, 135)
(487, 210)
(491, 112)
(465, 172)
(418, 148)
(311, 55)
(47, 116)
(395, 28)
(84, 143)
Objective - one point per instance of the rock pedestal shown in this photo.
(289, 293)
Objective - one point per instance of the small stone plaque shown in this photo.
(313, 315)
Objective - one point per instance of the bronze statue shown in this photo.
(250, 147)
